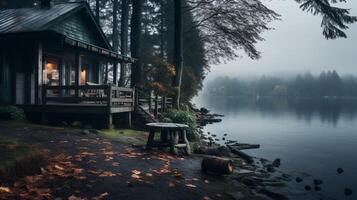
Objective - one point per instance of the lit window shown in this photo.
(51, 73)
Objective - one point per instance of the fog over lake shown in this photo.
(296, 46)
(312, 137)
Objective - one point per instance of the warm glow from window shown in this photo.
(83, 77)
(51, 73)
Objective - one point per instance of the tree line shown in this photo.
(327, 84)
(176, 41)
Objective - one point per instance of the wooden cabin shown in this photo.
(54, 59)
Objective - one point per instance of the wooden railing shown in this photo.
(154, 103)
(100, 95)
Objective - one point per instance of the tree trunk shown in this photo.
(178, 58)
(162, 36)
(135, 38)
(115, 38)
(124, 38)
(97, 11)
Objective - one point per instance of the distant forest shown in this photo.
(327, 84)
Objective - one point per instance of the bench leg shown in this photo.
(174, 141)
(188, 148)
(164, 138)
(150, 142)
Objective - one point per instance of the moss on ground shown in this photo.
(18, 158)
(129, 136)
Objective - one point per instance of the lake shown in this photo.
(312, 137)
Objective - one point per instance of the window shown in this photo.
(51, 72)
(84, 73)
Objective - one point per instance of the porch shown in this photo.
(95, 98)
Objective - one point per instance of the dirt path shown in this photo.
(91, 167)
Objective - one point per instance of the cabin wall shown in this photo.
(5, 92)
(20, 87)
(18, 78)
(25, 79)
(78, 27)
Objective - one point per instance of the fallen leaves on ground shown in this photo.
(191, 185)
(102, 196)
(72, 197)
(66, 167)
(4, 189)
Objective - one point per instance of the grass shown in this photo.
(18, 158)
(129, 136)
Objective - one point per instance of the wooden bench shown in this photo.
(173, 135)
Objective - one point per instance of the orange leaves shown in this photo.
(107, 174)
(4, 189)
(58, 167)
(191, 186)
(148, 174)
(108, 158)
(102, 196)
(85, 154)
(177, 174)
(73, 197)
(136, 174)
(108, 153)
(101, 173)
(78, 170)
(91, 161)
(131, 154)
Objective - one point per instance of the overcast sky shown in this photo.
(296, 45)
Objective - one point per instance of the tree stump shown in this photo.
(215, 165)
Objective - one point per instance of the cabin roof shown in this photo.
(40, 19)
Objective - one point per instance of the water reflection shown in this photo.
(310, 136)
(329, 111)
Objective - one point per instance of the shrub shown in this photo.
(18, 158)
(12, 113)
(182, 117)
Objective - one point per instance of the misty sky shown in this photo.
(296, 45)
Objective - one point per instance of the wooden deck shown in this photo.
(87, 99)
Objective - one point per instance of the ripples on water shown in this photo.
(313, 137)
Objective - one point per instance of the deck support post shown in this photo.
(38, 73)
(129, 120)
(115, 73)
(156, 111)
(106, 72)
(62, 76)
(163, 103)
(78, 64)
(109, 121)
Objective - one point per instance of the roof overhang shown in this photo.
(98, 50)
(61, 39)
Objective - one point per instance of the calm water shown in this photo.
(312, 137)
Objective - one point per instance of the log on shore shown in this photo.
(216, 165)
(240, 146)
(241, 154)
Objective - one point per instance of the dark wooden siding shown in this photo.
(78, 27)
(5, 94)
